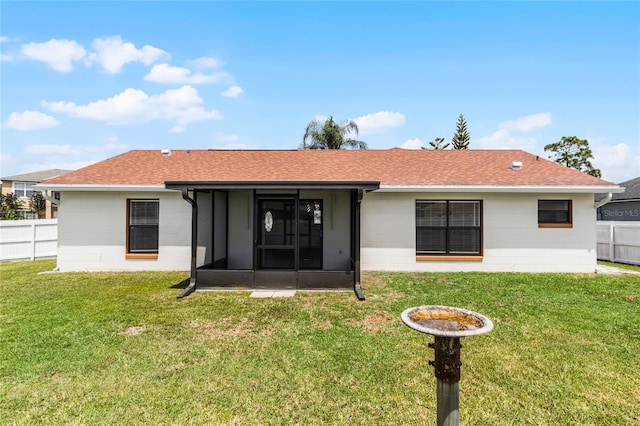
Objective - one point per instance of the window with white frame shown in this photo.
(449, 227)
(142, 226)
(23, 189)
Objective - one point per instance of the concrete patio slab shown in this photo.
(273, 293)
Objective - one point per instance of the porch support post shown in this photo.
(356, 200)
(194, 243)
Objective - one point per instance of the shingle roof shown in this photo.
(631, 192)
(36, 176)
(393, 167)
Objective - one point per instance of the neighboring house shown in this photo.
(311, 219)
(622, 207)
(22, 187)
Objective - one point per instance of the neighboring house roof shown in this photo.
(631, 192)
(36, 176)
(392, 168)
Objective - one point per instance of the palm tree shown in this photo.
(331, 135)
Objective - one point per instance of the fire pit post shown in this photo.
(447, 325)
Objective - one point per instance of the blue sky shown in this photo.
(83, 81)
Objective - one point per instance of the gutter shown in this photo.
(604, 201)
(194, 231)
(505, 189)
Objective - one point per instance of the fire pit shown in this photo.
(447, 325)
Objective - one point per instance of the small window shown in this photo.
(142, 226)
(449, 228)
(554, 214)
(23, 189)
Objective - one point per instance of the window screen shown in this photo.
(143, 226)
(448, 227)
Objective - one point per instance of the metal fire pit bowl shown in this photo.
(447, 325)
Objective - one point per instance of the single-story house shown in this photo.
(22, 187)
(314, 219)
(624, 206)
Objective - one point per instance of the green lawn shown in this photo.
(620, 265)
(118, 348)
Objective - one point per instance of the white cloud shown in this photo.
(65, 165)
(527, 122)
(377, 122)
(222, 137)
(618, 163)
(67, 149)
(205, 63)
(113, 53)
(412, 144)
(70, 157)
(237, 146)
(232, 92)
(133, 106)
(58, 54)
(165, 73)
(4, 57)
(502, 139)
(6, 161)
(30, 120)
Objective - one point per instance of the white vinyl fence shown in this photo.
(28, 239)
(619, 242)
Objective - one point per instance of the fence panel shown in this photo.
(28, 239)
(619, 242)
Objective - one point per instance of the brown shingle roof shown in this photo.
(394, 167)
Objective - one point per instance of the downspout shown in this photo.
(46, 196)
(604, 201)
(356, 286)
(194, 244)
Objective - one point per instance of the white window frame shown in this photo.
(23, 189)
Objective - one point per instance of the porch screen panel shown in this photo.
(310, 234)
(143, 226)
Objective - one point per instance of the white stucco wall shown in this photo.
(92, 232)
(512, 240)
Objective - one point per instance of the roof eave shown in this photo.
(208, 185)
(502, 188)
(99, 187)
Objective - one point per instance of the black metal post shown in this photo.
(447, 368)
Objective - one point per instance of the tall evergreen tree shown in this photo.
(461, 137)
(438, 143)
(574, 153)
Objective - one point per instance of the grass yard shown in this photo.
(635, 268)
(118, 348)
